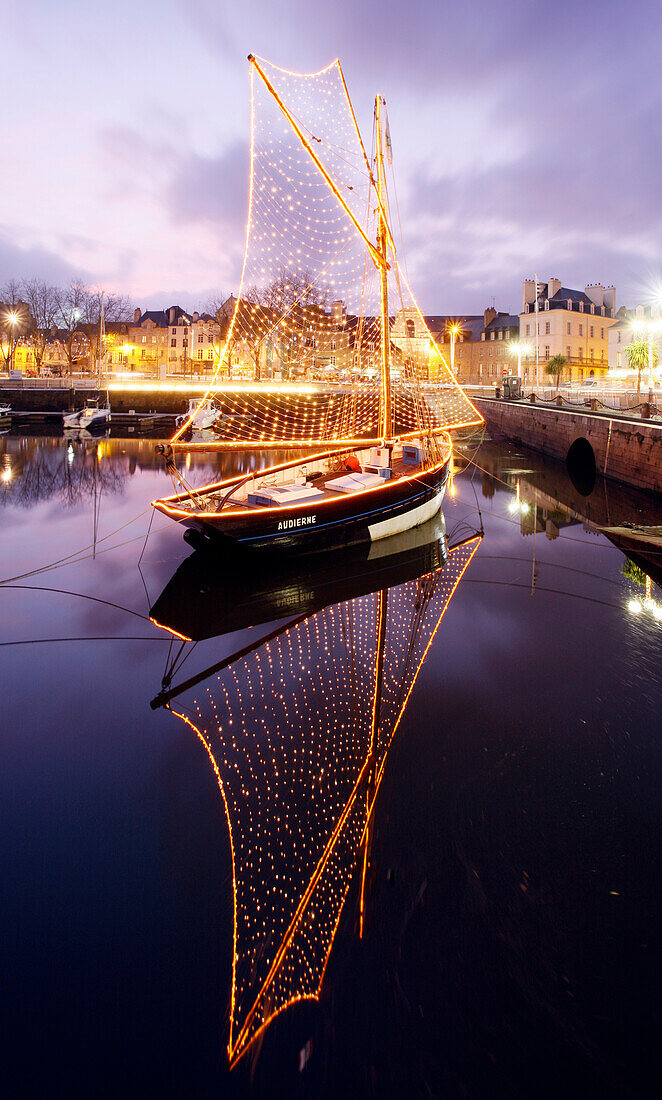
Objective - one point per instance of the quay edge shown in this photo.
(625, 450)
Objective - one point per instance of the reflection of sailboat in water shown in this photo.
(298, 727)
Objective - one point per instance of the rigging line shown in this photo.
(551, 591)
(376, 255)
(151, 520)
(82, 638)
(70, 559)
(554, 565)
(80, 595)
(62, 563)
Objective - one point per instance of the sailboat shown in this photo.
(298, 725)
(320, 278)
(94, 415)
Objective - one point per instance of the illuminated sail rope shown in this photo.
(298, 733)
(308, 307)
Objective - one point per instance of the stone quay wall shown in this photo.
(625, 450)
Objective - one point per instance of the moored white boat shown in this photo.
(200, 416)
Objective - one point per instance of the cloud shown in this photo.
(211, 190)
(31, 261)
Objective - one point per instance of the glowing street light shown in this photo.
(518, 349)
(453, 330)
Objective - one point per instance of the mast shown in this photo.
(102, 333)
(386, 419)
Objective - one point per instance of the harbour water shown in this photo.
(491, 928)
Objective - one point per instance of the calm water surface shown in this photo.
(500, 927)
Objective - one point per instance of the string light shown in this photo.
(310, 296)
(298, 733)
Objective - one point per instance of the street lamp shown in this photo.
(453, 330)
(519, 350)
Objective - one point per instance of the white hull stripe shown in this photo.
(407, 520)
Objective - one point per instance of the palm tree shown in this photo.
(637, 355)
(555, 367)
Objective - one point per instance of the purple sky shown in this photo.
(526, 137)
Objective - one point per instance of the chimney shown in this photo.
(338, 312)
(609, 298)
(136, 316)
(196, 317)
(553, 287)
(529, 293)
(171, 315)
(489, 315)
(595, 291)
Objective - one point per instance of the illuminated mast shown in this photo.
(386, 426)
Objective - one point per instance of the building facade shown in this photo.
(571, 323)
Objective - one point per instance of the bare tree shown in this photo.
(42, 301)
(14, 321)
(72, 304)
(115, 308)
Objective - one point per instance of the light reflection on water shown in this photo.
(511, 896)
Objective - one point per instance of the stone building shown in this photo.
(572, 323)
(631, 325)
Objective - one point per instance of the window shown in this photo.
(482, 335)
(143, 339)
(581, 354)
(619, 356)
(568, 353)
(546, 303)
(569, 303)
(173, 343)
(581, 307)
(547, 330)
(173, 356)
(174, 332)
(592, 308)
(569, 329)
(142, 353)
(333, 360)
(500, 334)
(527, 330)
(546, 351)
(200, 337)
(333, 345)
(581, 330)
(592, 355)
(409, 328)
(492, 335)
(591, 332)
(200, 353)
(602, 334)
(618, 337)
(153, 339)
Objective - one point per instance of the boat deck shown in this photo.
(256, 498)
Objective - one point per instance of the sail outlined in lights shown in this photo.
(298, 731)
(311, 294)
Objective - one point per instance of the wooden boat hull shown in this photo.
(344, 520)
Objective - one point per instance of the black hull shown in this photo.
(334, 524)
(213, 594)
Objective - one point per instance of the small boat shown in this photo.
(94, 416)
(71, 420)
(200, 415)
(320, 269)
(5, 418)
